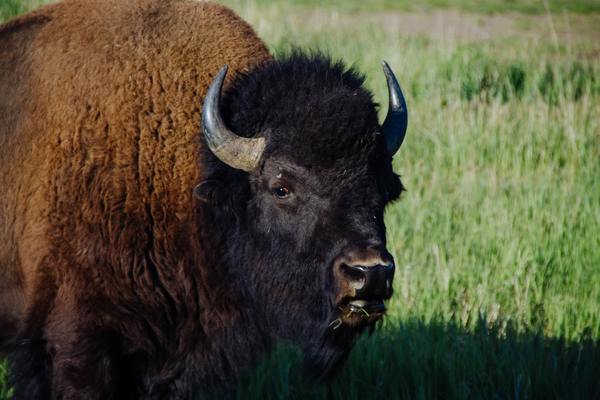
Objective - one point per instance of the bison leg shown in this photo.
(29, 370)
(82, 362)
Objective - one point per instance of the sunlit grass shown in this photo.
(497, 240)
(11, 8)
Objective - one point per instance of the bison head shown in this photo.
(298, 173)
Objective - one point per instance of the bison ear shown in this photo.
(204, 190)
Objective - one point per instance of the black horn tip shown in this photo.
(386, 67)
(238, 152)
(219, 79)
(389, 74)
(223, 71)
(396, 121)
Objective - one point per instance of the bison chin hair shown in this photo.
(310, 321)
(324, 342)
(324, 356)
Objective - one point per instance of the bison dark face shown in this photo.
(300, 180)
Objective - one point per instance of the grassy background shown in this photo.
(497, 240)
(477, 6)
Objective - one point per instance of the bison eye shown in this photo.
(281, 192)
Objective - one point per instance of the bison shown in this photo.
(175, 200)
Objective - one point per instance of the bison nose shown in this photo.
(365, 277)
(370, 282)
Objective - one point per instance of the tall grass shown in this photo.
(11, 8)
(497, 240)
(5, 391)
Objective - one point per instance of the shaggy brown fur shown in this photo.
(99, 150)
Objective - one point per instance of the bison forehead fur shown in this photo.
(114, 280)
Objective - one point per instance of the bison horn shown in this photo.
(396, 121)
(236, 151)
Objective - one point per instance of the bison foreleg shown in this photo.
(30, 366)
(82, 360)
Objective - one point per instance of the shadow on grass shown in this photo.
(417, 360)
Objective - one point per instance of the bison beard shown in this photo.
(116, 281)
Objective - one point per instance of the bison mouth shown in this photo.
(358, 312)
(351, 317)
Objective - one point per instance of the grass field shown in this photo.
(497, 240)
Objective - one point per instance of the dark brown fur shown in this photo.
(99, 150)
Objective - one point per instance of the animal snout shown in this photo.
(365, 274)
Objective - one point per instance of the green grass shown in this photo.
(497, 240)
(11, 8)
(4, 390)
(475, 6)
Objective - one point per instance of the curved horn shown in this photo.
(236, 151)
(396, 121)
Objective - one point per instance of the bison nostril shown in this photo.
(355, 275)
